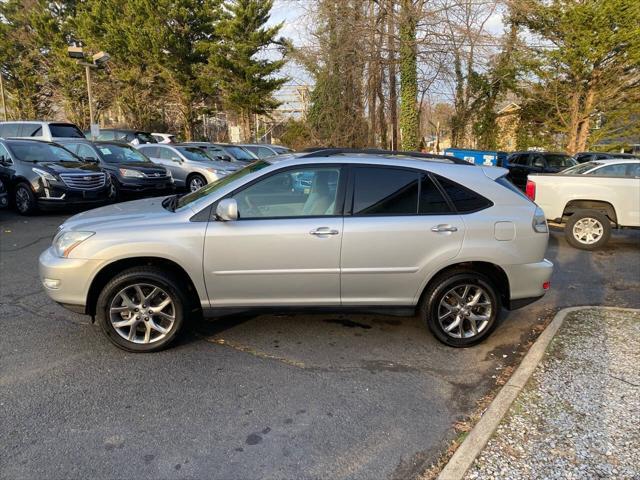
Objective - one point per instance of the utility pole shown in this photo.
(87, 70)
(4, 103)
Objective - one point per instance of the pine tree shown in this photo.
(245, 77)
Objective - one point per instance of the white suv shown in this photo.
(35, 130)
(329, 229)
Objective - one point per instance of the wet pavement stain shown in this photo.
(345, 322)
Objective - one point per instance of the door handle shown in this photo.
(324, 231)
(444, 228)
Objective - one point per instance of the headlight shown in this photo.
(213, 170)
(64, 242)
(44, 175)
(127, 172)
(539, 221)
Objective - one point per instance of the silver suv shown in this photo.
(190, 166)
(348, 231)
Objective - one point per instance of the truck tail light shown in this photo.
(530, 190)
(546, 285)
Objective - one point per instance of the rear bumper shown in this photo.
(526, 282)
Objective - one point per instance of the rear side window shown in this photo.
(30, 130)
(431, 199)
(464, 200)
(385, 191)
(67, 130)
(9, 130)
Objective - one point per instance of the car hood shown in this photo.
(68, 167)
(137, 212)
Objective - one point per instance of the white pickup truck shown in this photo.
(590, 199)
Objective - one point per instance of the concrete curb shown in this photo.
(477, 439)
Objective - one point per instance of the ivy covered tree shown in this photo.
(409, 116)
(244, 73)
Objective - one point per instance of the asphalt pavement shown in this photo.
(267, 397)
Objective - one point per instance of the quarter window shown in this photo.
(385, 191)
(431, 200)
(292, 193)
(464, 200)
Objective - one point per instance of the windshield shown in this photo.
(194, 153)
(112, 153)
(560, 161)
(42, 152)
(581, 168)
(218, 184)
(240, 153)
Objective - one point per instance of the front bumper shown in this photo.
(67, 280)
(146, 185)
(526, 282)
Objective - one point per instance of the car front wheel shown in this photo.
(461, 308)
(25, 200)
(196, 182)
(142, 309)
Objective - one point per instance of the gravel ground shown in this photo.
(579, 415)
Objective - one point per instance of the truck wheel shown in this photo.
(588, 229)
(461, 308)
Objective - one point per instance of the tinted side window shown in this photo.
(385, 191)
(633, 170)
(65, 130)
(619, 170)
(106, 135)
(465, 200)
(431, 200)
(4, 154)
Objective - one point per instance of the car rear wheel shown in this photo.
(24, 199)
(461, 308)
(141, 309)
(588, 229)
(196, 182)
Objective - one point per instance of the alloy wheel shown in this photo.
(142, 313)
(588, 230)
(465, 311)
(23, 200)
(195, 183)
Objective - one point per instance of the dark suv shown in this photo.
(521, 164)
(44, 175)
(132, 174)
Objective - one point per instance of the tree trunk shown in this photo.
(409, 119)
(393, 91)
(574, 120)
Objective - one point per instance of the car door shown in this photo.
(398, 230)
(285, 247)
(623, 190)
(7, 168)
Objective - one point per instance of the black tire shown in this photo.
(600, 219)
(440, 287)
(195, 177)
(153, 277)
(114, 191)
(24, 199)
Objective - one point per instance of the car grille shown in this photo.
(84, 181)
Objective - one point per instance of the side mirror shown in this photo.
(90, 159)
(227, 210)
(176, 159)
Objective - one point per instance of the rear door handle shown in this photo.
(324, 231)
(444, 228)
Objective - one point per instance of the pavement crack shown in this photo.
(26, 245)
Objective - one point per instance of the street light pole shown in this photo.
(4, 103)
(87, 70)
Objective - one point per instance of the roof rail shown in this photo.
(328, 152)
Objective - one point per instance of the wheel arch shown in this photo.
(107, 272)
(601, 206)
(492, 271)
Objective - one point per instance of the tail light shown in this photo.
(530, 190)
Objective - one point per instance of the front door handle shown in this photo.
(324, 231)
(444, 228)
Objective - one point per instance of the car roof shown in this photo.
(609, 161)
(38, 121)
(542, 153)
